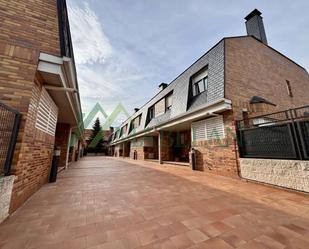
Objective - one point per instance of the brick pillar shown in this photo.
(62, 137)
(123, 150)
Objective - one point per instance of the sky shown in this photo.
(125, 48)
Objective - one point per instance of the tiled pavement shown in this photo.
(107, 203)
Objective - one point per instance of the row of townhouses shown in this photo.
(238, 78)
(39, 99)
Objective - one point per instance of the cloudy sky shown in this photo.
(125, 48)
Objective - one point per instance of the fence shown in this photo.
(9, 124)
(280, 135)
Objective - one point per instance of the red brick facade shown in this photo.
(254, 69)
(219, 156)
(63, 132)
(27, 28)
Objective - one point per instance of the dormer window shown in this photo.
(168, 102)
(123, 130)
(151, 113)
(136, 123)
(200, 82)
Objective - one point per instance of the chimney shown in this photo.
(162, 86)
(136, 109)
(255, 26)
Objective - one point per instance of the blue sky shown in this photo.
(125, 48)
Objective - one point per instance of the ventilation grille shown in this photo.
(208, 129)
(47, 114)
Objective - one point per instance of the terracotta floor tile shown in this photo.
(95, 239)
(181, 241)
(101, 202)
(147, 237)
(216, 243)
(196, 236)
(269, 242)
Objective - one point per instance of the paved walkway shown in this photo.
(106, 203)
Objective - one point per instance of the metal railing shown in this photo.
(279, 135)
(9, 125)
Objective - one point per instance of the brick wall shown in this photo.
(138, 146)
(62, 140)
(252, 69)
(31, 165)
(26, 29)
(219, 157)
(30, 24)
(166, 151)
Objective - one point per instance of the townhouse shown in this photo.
(38, 82)
(239, 77)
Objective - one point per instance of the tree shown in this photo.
(96, 139)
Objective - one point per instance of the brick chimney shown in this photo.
(255, 26)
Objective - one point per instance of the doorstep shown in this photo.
(186, 164)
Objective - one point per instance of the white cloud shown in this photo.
(90, 43)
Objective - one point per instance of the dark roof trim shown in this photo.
(258, 99)
(253, 13)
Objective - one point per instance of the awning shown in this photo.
(60, 81)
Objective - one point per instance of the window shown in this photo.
(160, 107)
(198, 131)
(200, 86)
(151, 113)
(123, 130)
(208, 129)
(200, 82)
(215, 128)
(116, 135)
(168, 102)
(47, 114)
(135, 123)
(288, 85)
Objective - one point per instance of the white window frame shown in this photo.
(201, 77)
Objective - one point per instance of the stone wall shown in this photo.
(291, 174)
(6, 186)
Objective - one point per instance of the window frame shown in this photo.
(167, 108)
(289, 88)
(196, 85)
(132, 125)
